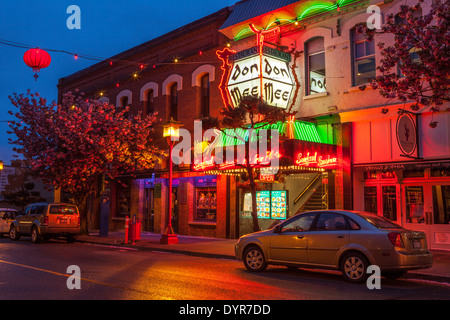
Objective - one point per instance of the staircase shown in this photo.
(317, 201)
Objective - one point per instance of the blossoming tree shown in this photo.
(70, 145)
(416, 65)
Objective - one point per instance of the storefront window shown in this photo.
(414, 204)
(206, 204)
(370, 199)
(388, 175)
(441, 204)
(369, 175)
(413, 173)
(389, 202)
(440, 172)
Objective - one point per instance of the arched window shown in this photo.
(124, 98)
(150, 101)
(315, 66)
(204, 95)
(124, 102)
(173, 101)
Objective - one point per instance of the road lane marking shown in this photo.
(69, 275)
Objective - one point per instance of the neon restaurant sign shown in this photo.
(259, 71)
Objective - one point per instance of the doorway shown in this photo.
(149, 210)
(175, 211)
(426, 207)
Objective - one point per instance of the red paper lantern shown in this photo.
(37, 59)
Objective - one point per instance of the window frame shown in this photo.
(205, 95)
(354, 42)
(173, 101)
(308, 65)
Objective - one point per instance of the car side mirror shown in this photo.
(277, 229)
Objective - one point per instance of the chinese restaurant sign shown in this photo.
(261, 71)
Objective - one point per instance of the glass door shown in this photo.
(426, 207)
(440, 216)
(389, 203)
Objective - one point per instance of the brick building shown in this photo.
(176, 76)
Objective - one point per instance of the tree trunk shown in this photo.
(253, 192)
(81, 202)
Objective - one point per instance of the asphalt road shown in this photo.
(30, 272)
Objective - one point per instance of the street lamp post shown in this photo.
(171, 130)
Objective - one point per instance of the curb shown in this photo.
(410, 275)
(158, 249)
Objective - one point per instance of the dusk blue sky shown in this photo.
(108, 27)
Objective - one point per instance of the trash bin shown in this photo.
(134, 232)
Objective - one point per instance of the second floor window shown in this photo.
(124, 102)
(204, 96)
(173, 101)
(315, 64)
(150, 102)
(363, 55)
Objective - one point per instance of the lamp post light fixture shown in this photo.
(1, 165)
(170, 131)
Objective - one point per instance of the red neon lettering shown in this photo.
(267, 177)
(319, 161)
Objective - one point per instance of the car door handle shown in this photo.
(300, 237)
(340, 236)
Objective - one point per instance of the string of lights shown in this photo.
(111, 61)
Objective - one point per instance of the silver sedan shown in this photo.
(348, 241)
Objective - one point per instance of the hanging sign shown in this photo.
(261, 71)
(407, 134)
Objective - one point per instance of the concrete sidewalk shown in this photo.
(224, 249)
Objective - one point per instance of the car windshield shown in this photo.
(380, 222)
(63, 209)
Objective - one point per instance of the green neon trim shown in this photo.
(280, 20)
(302, 131)
(242, 33)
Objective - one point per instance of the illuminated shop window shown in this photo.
(370, 175)
(206, 199)
(363, 55)
(315, 61)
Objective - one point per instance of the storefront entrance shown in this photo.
(426, 207)
(415, 199)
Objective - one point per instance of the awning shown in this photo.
(248, 9)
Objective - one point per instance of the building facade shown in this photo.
(346, 145)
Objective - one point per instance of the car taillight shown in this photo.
(45, 221)
(396, 239)
(79, 220)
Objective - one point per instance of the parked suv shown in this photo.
(42, 221)
(6, 216)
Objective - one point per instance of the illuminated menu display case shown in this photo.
(269, 204)
(279, 204)
(263, 204)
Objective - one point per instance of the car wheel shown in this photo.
(254, 259)
(354, 267)
(35, 235)
(13, 234)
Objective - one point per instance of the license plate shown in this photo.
(416, 244)
(63, 221)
